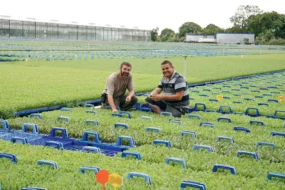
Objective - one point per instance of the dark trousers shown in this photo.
(119, 101)
(125, 107)
(176, 111)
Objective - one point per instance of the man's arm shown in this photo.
(173, 97)
(111, 103)
(180, 87)
(131, 90)
(129, 97)
(156, 91)
(131, 94)
(110, 92)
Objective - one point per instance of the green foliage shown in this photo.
(276, 42)
(40, 83)
(169, 131)
(246, 41)
(266, 35)
(9, 59)
(268, 25)
(189, 27)
(250, 173)
(240, 18)
(154, 34)
(166, 34)
(234, 29)
(234, 90)
(175, 38)
(211, 29)
(7, 113)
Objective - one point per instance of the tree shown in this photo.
(254, 24)
(234, 29)
(212, 29)
(266, 35)
(154, 34)
(240, 19)
(262, 23)
(189, 27)
(280, 31)
(166, 34)
(246, 40)
(175, 38)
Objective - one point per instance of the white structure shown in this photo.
(33, 29)
(235, 38)
(200, 38)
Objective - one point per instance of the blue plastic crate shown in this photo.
(66, 143)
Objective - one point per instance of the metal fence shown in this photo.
(19, 29)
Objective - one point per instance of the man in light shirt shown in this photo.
(115, 89)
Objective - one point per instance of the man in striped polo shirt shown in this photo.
(175, 97)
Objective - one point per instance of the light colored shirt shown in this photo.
(117, 86)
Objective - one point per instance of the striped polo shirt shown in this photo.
(175, 84)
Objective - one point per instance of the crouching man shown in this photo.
(115, 89)
(175, 97)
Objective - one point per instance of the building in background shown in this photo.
(221, 38)
(31, 29)
(235, 38)
(200, 38)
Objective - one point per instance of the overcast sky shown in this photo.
(144, 14)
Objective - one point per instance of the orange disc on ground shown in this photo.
(102, 176)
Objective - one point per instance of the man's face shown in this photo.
(125, 71)
(167, 70)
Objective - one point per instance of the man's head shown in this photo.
(167, 69)
(125, 69)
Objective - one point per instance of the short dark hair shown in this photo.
(167, 62)
(125, 63)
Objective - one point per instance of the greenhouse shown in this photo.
(31, 29)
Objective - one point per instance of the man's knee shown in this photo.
(150, 101)
(175, 112)
(134, 100)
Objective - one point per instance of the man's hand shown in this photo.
(115, 110)
(155, 97)
(112, 104)
(128, 99)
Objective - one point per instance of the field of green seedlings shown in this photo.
(221, 129)
(69, 51)
(259, 94)
(250, 173)
(45, 83)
